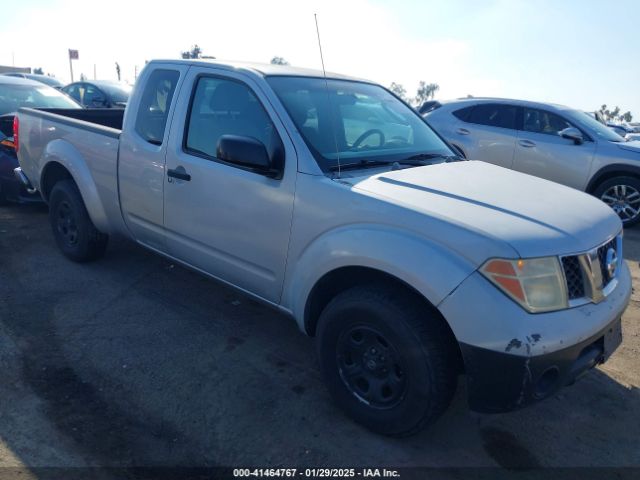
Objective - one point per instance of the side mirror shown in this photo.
(572, 133)
(247, 152)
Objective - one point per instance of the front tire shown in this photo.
(622, 194)
(389, 362)
(74, 232)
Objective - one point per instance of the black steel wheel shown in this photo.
(389, 360)
(73, 230)
(371, 367)
(66, 224)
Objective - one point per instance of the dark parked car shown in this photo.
(47, 80)
(16, 93)
(99, 93)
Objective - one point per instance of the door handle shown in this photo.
(527, 143)
(462, 131)
(179, 173)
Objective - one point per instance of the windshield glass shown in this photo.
(593, 126)
(12, 97)
(366, 122)
(117, 92)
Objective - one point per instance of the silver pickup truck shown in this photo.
(332, 200)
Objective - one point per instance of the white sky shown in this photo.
(548, 51)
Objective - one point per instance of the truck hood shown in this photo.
(534, 216)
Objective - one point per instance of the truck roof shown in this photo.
(263, 69)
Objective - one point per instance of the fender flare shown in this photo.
(64, 153)
(407, 256)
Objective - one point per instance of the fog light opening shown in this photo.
(547, 382)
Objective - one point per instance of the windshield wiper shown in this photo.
(361, 164)
(421, 157)
(418, 160)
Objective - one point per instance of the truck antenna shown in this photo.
(326, 84)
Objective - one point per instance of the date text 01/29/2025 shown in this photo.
(315, 472)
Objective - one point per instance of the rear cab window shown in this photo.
(151, 120)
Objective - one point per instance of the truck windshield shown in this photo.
(12, 97)
(355, 122)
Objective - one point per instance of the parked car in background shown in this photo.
(332, 200)
(620, 129)
(550, 141)
(16, 93)
(99, 93)
(46, 79)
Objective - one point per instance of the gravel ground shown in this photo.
(132, 361)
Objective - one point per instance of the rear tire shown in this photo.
(389, 362)
(76, 235)
(622, 194)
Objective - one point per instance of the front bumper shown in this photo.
(513, 358)
(500, 382)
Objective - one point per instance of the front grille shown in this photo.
(602, 258)
(573, 274)
(580, 283)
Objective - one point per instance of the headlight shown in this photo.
(537, 284)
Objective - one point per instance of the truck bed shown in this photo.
(89, 117)
(85, 142)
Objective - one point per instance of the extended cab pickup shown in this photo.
(334, 201)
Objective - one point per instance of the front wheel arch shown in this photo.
(398, 345)
(342, 279)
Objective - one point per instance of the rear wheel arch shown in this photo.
(73, 230)
(60, 164)
(52, 173)
(609, 172)
(622, 194)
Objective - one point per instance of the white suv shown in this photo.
(549, 141)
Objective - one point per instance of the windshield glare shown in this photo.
(593, 126)
(12, 97)
(354, 121)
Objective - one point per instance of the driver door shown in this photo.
(221, 218)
